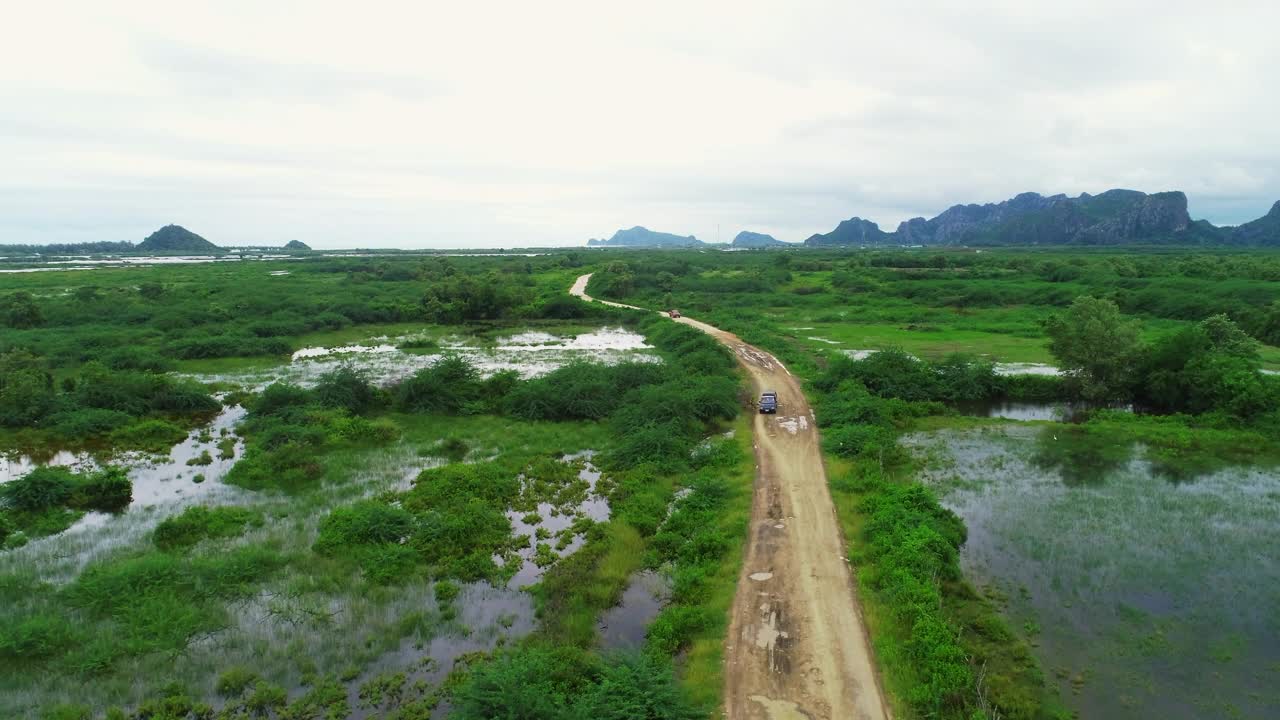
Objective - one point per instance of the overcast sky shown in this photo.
(466, 124)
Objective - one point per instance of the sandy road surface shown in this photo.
(797, 647)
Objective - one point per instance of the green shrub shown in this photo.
(460, 540)
(360, 430)
(447, 387)
(387, 563)
(914, 543)
(35, 638)
(527, 683)
(675, 627)
(154, 435)
(290, 467)
(234, 681)
(363, 523)
(41, 489)
(345, 388)
(446, 591)
(108, 490)
(631, 686)
(566, 684)
(204, 458)
(82, 423)
(119, 585)
(278, 398)
(871, 441)
(26, 390)
(201, 523)
(266, 699)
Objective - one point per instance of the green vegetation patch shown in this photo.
(48, 500)
(131, 606)
(944, 650)
(203, 523)
(565, 683)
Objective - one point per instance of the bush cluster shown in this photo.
(201, 523)
(568, 684)
(122, 403)
(694, 540)
(152, 603)
(913, 543)
(288, 425)
(48, 499)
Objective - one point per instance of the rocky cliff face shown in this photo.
(854, 231)
(644, 237)
(746, 239)
(1114, 217)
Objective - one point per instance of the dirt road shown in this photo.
(797, 647)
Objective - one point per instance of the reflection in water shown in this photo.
(1146, 598)
(162, 486)
(554, 523)
(154, 476)
(1078, 456)
(623, 626)
(387, 360)
(1072, 412)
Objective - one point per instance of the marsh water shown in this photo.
(401, 630)
(623, 626)
(388, 630)
(1147, 588)
(386, 360)
(1069, 412)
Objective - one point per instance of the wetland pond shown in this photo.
(357, 632)
(386, 360)
(1147, 589)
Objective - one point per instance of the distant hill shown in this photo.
(176, 239)
(644, 237)
(1116, 217)
(297, 245)
(1263, 231)
(747, 239)
(854, 231)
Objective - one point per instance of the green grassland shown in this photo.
(931, 302)
(350, 541)
(387, 503)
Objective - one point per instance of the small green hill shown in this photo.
(176, 239)
(747, 239)
(297, 245)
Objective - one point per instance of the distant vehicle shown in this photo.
(769, 402)
(674, 313)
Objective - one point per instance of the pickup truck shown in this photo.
(673, 314)
(769, 402)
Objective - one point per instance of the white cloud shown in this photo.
(503, 124)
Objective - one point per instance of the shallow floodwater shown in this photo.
(552, 523)
(1001, 368)
(90, 262)
(163, 485)
(531, 354)
(1029, 411)
(281, 631)
(623, 626)
(1148, 590)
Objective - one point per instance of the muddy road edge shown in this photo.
(797, 646)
